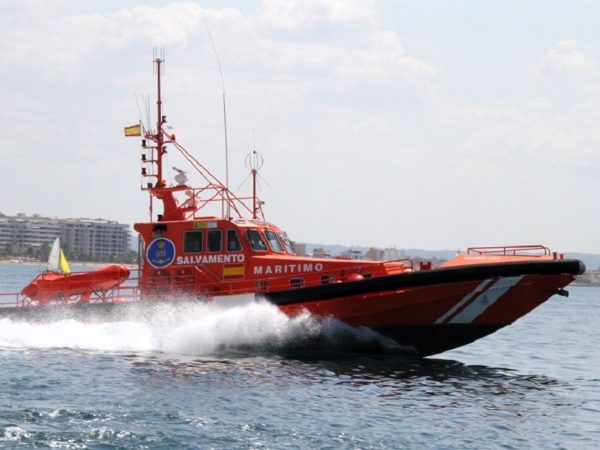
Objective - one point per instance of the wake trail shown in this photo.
(193, 329)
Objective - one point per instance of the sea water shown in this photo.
(198, 377)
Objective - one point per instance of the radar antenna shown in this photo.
(254, 162)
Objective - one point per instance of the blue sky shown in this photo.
(407, 124)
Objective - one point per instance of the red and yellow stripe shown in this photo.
(233, 271)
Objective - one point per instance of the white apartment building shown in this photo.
(23, 231)
(94, 239)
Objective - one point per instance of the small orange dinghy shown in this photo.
(60, 284)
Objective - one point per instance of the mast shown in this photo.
(154, 148)
(154, 141)
(159, 121)
(254, 193)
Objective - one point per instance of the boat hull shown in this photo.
(427, 340)
(435, 311)
(425, 313)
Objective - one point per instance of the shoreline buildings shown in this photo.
(81, 239)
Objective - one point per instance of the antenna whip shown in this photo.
(214, 47)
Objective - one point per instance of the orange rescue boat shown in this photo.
(59, 284)
(234, 254)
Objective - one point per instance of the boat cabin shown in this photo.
(216, 256)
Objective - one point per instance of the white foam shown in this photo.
(13, 433)
(198, 329)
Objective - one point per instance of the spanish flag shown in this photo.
(133, 130)
(233, 271)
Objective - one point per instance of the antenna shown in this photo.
(137, 102)
(147, 101)
(214, 47)
(160, 151)
(254, 162)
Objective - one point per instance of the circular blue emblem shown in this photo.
(160, 253)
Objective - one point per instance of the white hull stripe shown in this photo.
(485, 300)
(465, 299)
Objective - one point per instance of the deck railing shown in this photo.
(11, 299)
(511, 250)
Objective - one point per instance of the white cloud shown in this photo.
(537, 133)
(566, 58)
(307, 15)
(341, 41)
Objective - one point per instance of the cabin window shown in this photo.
(288, 244)
(273, 241)
(192, 242)
(233, 241)
(256, 241)
(214, 239)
